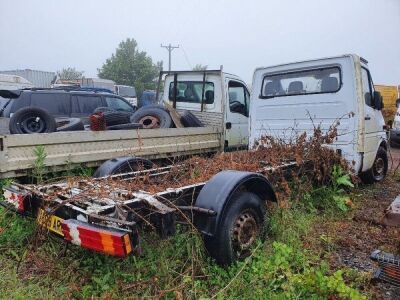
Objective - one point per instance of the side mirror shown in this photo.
(378, 102)
(398, 102)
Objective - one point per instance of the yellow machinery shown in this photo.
(390, 93)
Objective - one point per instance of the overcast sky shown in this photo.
(240, 35)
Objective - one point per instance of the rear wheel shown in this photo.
(379, 169)
(242, 224)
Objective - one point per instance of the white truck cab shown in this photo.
(216, 98)
(291, 98)
(127, 92)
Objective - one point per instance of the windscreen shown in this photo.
(315, 81)
(191, 91)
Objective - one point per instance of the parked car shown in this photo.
(62, 103)
(48, 110)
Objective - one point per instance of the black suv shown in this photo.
(62, 103)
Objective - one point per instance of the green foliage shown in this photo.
(129, 66)
(69, 74)
(331, 197)
(38, 165)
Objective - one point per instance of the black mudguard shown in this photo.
(218, 191)
(110, 166)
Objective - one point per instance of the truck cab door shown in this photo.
(373, 121)
(237, 115)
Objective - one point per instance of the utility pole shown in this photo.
(169, 48)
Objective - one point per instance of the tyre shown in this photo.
(242, 224)
(125, 126)
(152, 117)
(379, 169)
(122, 165)
(70, 124)
(190, 120)
(29, 120)
(116, 117)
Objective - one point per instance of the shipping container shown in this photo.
(40, 79)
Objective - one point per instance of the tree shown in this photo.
(129, 66)
(200, 67)
(69, 74)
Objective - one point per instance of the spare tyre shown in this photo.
(152, 117)
(125, 126)
(116, 117)
(29, 120)
(190, 120)
(70, 124)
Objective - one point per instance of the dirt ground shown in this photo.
(354, 238)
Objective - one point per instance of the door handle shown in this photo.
(228, 125)
(367, 118)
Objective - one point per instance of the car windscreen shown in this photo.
(3, 102)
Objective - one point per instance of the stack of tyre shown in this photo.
(148, 117)
(156, 116)
(29, 120)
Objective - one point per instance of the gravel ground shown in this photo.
(357, 236)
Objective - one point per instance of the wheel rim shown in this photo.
(33, 125)
(150, 122)
(379, 168)
(245, 232)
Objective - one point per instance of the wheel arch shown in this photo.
(218, 193)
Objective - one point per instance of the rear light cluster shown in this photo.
(17, 200)
(97, 122)
(95, 238)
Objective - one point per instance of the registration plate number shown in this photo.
(51, 222)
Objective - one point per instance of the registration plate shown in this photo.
(51, 222)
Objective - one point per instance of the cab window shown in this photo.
(366, 87)
(192, 91)
(238, 98)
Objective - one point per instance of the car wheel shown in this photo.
(116, 117)
(190, 120)
(29, 120)
(379, 169)
(152, 117)
(243, 223)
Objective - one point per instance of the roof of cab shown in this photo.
(313, 60)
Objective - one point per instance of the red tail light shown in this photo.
(112, 242)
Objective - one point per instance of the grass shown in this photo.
(281, 268)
